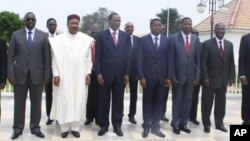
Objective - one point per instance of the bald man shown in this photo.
(133, 81)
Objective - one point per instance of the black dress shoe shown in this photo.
(195, 122)
(206, 129)
(37, 132)
(118, 132)
(185, 129)
(145, 133)
(75, 134)
(64, 134)
(164, 119)
(158, 133)
(132, 120)
(88, 121)
(49, 121)
(16, 134)
(102, 131)
(176, 130)
(221, 128)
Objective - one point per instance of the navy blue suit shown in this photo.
(112, 62)
(133, 80)
(154, 65)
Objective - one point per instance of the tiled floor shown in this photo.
(131, 132)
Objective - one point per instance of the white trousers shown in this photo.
(73, 126)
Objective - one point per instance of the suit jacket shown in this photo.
(244, 56)
(134, 51)
(3, 61)
(112, 61)
(154, 66)
(186, 67)
(219, 71)
(37, 60)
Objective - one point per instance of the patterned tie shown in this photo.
(156, 42)
(187, 45)
(221, 50)
(114, 38)
(29, 41)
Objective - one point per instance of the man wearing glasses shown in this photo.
(28, 70)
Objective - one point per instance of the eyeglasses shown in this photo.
(30, 19)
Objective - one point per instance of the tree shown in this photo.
(10, 22)
(174, 19)
(100, 17)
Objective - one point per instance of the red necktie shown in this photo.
(93, 54)
(221, 50)
(187, 45)
(114, 38)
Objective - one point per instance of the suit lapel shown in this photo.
(182, 43)
(216, 47)
(110, 38)
(25, 40)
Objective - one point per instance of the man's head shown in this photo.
(195, 32)
(219, 30)
(51, 25)
(129, 28)
(73, 22)
(114, 21)
(186, 25)
(94, 29)
(30, 20)
(156, 26)
(163, 30)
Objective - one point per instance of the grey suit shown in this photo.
(29, 67)
(186, 71)
(218, 71)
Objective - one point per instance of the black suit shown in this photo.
(133, 81)
(112, 62)
(92, 100)
(219, 71)
(3, 62)
(244, 70)
(29, 66)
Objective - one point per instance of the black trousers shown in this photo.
(20, 95)
(209, 95)
(49, 98)
(195, 101)
(92, 100)
(133, 87)
(245, 108)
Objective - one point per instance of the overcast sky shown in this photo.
(137, 11)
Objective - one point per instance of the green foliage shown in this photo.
(174, 19)
(9, 22)
(100, 17)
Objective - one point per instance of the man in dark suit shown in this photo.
(244, 74)
(3, 64)
(51, 25)
(218, 72)
(133, 81)
(195, 101)
(28, 70)
(186, 74)
(112, 69)
(154, 66)
(92, 101)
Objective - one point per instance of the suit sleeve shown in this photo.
(11, 56)
(98, 54)
(128, 55)
(47, 58)
(170, 59)
(204, 61)
(140, 60)
(3, 61)
(242, 56)
(198, 60)
(232, 64)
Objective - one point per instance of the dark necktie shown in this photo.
(93, 54)
(187, 45)
(221, 50)
(156, 43)
(114, 38)
(29, 41)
